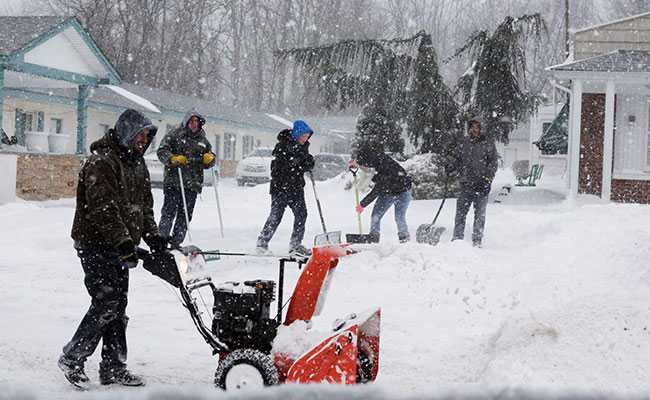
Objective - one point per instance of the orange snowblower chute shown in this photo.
(351, 354)
(308, 288)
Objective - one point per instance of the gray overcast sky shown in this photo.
(10, 7)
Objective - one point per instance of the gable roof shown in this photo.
(169, 101)
(17, 32)
(608, 23)
(616, 61)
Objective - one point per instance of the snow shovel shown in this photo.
(187, 218)
(360, 237)
(325, 237)
(430, 233)
(215, 180)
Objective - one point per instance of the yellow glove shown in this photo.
(208, 158)
(178, 160)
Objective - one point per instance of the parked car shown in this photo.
(327, 165)
(157, 171)
(256, 167)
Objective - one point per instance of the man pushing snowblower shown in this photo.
(291, 161)
(392, 187)
(114, 211)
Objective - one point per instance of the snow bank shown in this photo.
(556, 301)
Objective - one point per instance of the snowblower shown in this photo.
(241, 329)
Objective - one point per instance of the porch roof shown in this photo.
(619, 61)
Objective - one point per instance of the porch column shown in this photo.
(574, 148)
(608, 142)
(82, 118)
(2, 95)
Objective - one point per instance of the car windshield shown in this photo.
(261, 153)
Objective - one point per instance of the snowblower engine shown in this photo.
(242, 315)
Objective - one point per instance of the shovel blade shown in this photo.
(361, 238)
(429, 234)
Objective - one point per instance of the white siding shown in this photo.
(68, 52)
(631, 34)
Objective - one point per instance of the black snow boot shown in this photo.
(299, 251)
(121, 376)
(73, 372)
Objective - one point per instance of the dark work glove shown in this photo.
(156, 243)
(127, 254)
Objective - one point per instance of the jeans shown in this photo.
(279, 202)
(173, 213)
(107, 284)
(466, 198)
(382, 204)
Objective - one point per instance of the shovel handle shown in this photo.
(356, 196)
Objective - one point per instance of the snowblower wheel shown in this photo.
(245, 368)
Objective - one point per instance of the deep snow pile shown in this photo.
(557, 299)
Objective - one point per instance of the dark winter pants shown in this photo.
(280, 201)
(107, 284)
(383, 203)
(467, 198)
(173, 213)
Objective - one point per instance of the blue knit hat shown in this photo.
(300, 127)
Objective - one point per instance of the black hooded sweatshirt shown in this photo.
(390, 177)
(114, 201)
(291, 161)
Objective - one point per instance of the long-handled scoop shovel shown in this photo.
(360, 237)
(430, 233)
(326, 237)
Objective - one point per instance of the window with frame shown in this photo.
(56, 125)
(248, 145)
(103, 129)
(229, 146)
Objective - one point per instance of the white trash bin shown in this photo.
(37, 142)
(58, 142)
(8, 164)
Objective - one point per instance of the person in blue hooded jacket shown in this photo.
(291, 159)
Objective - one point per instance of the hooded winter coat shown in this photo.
(291, 161)
(182, 141)
(114, 201)
(390, 178)
(478, 159)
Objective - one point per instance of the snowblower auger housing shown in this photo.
(243, 329)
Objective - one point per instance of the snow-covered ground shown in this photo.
(557, 299)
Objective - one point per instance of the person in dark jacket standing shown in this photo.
(114, 211)
(478, 164)
(187, 148)
(291, 161)
(392, 187)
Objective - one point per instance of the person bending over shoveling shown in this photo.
(392, 187)
(291, 161)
